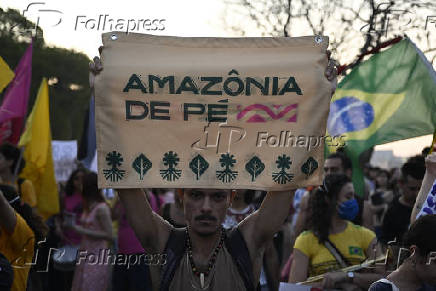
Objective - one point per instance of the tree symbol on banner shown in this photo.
(171, 160)
(114, 160)
(198, 166)
(282, 177)
(141, 165)
(309, 167)
(255, 167)
(227, 175)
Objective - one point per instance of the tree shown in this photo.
(354, 27)
(66, 70)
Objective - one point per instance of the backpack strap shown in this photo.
(237, 248)
(174, 249)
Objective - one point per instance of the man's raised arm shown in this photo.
(273, 212)
(151, 230)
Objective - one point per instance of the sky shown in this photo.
(74, 25)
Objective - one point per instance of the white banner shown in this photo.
(64, 158)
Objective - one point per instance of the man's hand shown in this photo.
(95, 68)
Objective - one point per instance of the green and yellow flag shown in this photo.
(6, 74)
(390, 97)
(38, 154)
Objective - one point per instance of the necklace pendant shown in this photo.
(202, 280)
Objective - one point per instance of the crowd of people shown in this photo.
(324, 230)
(328, 237)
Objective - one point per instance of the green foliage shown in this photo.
(69, 97)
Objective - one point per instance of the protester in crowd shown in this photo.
(72, 206)
(379, 200)
(135, 277)
(336, 163)
(373, 173)
(382, 184)
(395, 174)
(20, 230)
(155, 200)
(425, 151)
(397, 217)
(71, 209)
(173, 212)
(333, 206)
(167, 195)
(427, 189)
(203, 255)
(96, 231)
(418, 271)
(241, 208)
(11, 165)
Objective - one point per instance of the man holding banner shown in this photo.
(203, 256)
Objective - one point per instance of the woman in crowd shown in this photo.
(96, 231)
(71, 208)
(20, 230)
(72, 205)
(333, 241)
(380, 200)
(418, 271)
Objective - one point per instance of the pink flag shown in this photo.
(14, 107)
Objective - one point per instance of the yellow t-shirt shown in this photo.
(352, 243)
(18, 249)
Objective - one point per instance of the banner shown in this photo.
(64, 158)
(228, 113)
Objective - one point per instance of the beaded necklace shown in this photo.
(212, 260)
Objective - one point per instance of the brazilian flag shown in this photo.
(390, 97)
